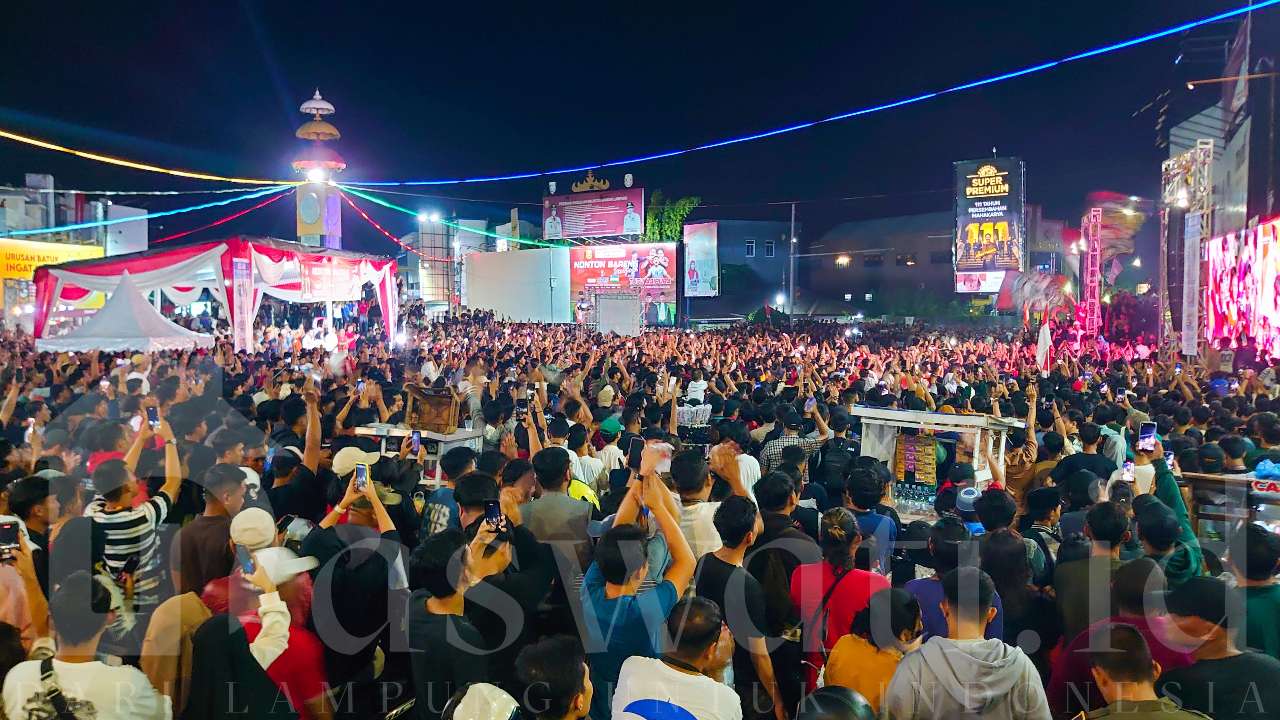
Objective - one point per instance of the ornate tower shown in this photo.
(319, 205)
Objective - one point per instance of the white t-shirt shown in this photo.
(649, 679)
(92, 689)
(697, 522)
(697, 390)
(749, 471)
(146, 384)
(591, 470)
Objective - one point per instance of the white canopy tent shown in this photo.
(126, 322)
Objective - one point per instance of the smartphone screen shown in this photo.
(104, 384)
(243, 557)
(359, 386)
(1128, 471)
(810, 405)
(1168, 459)
(416, 441)
(153, 417)
(8, 535)
(671, 383)
(271, 455)
(493, 513)
(362, 477)
(1147, 437)
(1177, 368)
(634, 451)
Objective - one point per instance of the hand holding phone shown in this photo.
(245, 560)
(1147, 437)
(362, 477)
(416, 441)
(635, 452)
(153, 417)
(9, 535)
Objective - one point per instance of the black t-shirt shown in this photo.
(1243, 686)
(305, 496)
(741, 600)
(1098, 464)
(358, 416)
(438, 654)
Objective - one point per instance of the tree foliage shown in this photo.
(664, 218)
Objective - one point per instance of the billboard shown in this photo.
(701, 260)
(990, 222)
(1242, 287)
(647, 270)
(593, 214)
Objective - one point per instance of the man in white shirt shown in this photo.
(693, 481)
(697, 389)
(558, 437)
(141, 366)
(686, 681)
(81, 610)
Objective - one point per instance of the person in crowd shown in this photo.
(686, 680)
(720, 577)
(618, 621)
(694, 479)
(1090, 458)
(1030, 616)
(1164, 527)
(1080, 490)
(864, 491)
(865, 659)
(73, 682)
(1081, 586)
(1125, 675)
(964, 674)
(1040, 523)
(32, 501)
(792, 424)
(996, 510)
(446, 650)
(835, 703)
(1254, 559)
(201, 550)
(441, 511)
(555, 517)
(555, 678)
(949, 546)
(830, 593)
(1224, 680)
(1071, 689)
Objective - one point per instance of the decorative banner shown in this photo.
(701, 260)
(242, 304)
(646, 269)
(916, 457)
(330, 278)
(990, 218)
(1191, 285)
(593, 214)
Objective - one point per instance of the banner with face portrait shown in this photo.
(593, 214)
(701, 260)
(990, 221)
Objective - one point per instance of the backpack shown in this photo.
(837, 458)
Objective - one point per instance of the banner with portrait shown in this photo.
(701, 260)
(990, 222)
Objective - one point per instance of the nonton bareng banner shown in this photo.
(646, 269)
(593, 214)
(701, 261)
(990, 219)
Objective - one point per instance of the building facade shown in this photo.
(754, 259)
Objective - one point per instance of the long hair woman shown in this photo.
(829, 593)
(1030, 616)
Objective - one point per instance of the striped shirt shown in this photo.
(131, 532)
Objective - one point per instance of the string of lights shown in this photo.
(847, 115)
(1041, 67)
(360, 211)
(148, 216)
(358, 193)
(58, 191)
(44, 144)
(223, 220)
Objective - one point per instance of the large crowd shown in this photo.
(205, 534)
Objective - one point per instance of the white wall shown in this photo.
(523, 285)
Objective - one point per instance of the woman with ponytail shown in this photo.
(830, 592)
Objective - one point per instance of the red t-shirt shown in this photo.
(299, 671)
(809, 583)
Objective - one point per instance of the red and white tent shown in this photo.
(238, 272)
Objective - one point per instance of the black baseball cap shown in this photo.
(793, 421)
(1207, 598)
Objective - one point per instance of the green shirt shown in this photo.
(1261, 614)
(1145, 710)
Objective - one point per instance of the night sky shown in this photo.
(429, 90)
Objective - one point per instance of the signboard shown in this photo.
(1191, 285)
(647, 270)
(593, 214)
(701, 260)
(990, 222)
(242, 297)
(329, 278)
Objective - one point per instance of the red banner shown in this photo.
(646, 269)
(329, 278)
